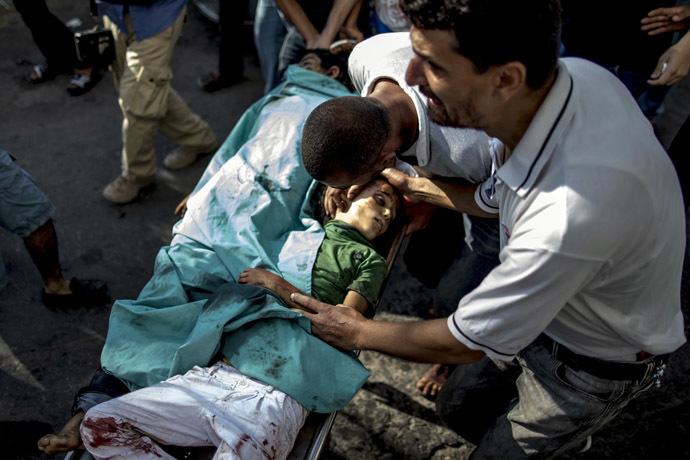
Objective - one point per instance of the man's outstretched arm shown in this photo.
(458, 197)
(422, 341)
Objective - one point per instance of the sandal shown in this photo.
(40, 73)
(81, 83)
(85, 293)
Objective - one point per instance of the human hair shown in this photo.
(494, 32)
(344, 135)
(328, 60)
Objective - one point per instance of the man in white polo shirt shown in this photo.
(580, 315)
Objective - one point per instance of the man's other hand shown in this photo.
(334, 199)
(336, 325)
(662, 20)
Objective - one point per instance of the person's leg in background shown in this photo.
(27, 212)
(269, 33)
(142, 75)
(478, 257)
(290, 51)
(56, 42)
(231, 50)
(53, 38)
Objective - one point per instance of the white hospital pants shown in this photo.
(215, 406)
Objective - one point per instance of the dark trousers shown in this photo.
(679, 151)
(231, 53)
(53, 38)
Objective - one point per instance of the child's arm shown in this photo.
(356, 300)
(270, 281)
(283, 289)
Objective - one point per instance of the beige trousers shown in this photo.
(142, 75)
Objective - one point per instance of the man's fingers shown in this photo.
(309, 303)
(396, 178)
(353, 191)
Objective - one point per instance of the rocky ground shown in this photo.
(71, 146)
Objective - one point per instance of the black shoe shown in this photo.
(85, 293)
(212, 82)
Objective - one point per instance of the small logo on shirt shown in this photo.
(358, 256)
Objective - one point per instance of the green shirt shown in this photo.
(346, 261)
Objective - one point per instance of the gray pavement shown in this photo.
(71, 146)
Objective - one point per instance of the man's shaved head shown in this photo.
(344, 137)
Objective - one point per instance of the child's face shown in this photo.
(372, 211)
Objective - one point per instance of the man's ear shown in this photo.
(333, 72)
(386, 159)
(509, 78)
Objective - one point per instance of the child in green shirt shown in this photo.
(347, 269)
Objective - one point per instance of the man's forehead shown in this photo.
(430, 43)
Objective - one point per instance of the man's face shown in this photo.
(372, 211)
(454, 88)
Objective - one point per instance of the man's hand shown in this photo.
(404, 183)
(336, 325)
(662, 20)
(334, 199)
(319, 42)
(672, 66)
(352, 33)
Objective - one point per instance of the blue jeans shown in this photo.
(478, 257)
(293, 45)
(269, 33)
(533, 407)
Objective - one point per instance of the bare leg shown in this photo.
(43, 249)
(67, 439)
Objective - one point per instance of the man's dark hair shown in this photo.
(329, 60)
(345, 134)
(494, 32)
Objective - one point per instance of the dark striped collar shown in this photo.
(542, 136)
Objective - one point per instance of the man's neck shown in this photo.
(514, 120)
(403, 114)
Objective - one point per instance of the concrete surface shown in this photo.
(71, 146)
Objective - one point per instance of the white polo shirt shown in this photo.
(592, 231)
(444, 151)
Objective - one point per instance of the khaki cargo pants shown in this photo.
(142, 75)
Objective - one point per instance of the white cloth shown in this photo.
(391, 14)
(444, 151)
(215, 406)
(592, 231)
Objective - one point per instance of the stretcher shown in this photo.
(312, 439)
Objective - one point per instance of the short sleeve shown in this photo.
(370, 277)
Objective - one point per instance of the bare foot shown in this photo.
(430, 384)
(270, 281)
(67, 439)
(259, 277)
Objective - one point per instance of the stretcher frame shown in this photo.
(312, 438)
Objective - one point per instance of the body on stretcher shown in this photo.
(312, 438)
